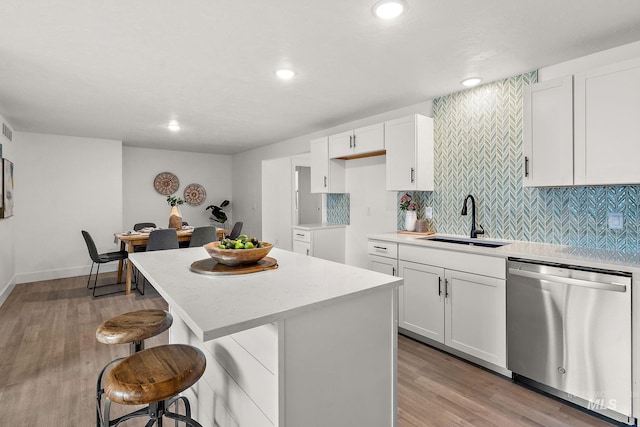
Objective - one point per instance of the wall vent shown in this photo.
(7, 132)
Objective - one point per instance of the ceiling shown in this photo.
(121, 69)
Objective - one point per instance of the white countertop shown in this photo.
(588, 257)
(215, 306)
(310, 227)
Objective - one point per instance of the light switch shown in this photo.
(616, 220)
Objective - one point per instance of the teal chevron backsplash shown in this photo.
(478, 151)
(338, 205)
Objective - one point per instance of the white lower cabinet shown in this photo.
(326, 242)
(464, 310)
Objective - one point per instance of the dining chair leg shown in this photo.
(95, 282)
(90, 271)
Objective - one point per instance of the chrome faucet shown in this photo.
(474, 231)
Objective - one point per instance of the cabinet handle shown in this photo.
(325, 182)
(446, 288)
(526, 166)
(354, 141)
(380, 247)
(307, 251)
(393, 271)
(439, 286)
(413, 173)
(298, 234)
(350, 141)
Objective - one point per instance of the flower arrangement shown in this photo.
(406, 204)
(173, 200)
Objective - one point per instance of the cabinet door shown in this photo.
(320, 165)
(421, 300)
(341, 144)
(303, 248)
(475, 313)
(607, 125)
(383, 265)
(548, 133)
(409, 145)
(369, 139)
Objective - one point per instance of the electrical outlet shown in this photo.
(428, 212)
(616, 220)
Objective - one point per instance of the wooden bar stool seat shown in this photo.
(154, 377)
(134, 327)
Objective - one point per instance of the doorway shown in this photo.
(308, 206)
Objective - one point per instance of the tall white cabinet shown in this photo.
(607, 124)
(548, 133)
(409, 145)
(327, 176)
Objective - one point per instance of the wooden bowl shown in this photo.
(233, 257)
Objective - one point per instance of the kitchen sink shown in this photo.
(468, 242)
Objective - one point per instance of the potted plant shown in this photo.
(175, 217)
(409, 207)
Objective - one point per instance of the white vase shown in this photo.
(410, 220)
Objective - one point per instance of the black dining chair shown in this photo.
(236, 230)
(160, 240)
(203, 235)
(103, 258)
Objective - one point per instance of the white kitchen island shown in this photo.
(312, 343)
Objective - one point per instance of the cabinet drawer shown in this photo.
(301, 235)
(452, 260)
(382, 248)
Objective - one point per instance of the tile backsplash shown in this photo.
(478, 151)
(338, 205)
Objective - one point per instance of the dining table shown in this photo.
(131, 239)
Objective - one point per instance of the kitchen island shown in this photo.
(311, 343)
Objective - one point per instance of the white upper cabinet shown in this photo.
(409, 145)
(356, 143)
(548, 133)
(607, 125)
(327, 176)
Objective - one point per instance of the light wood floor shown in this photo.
(49, 359)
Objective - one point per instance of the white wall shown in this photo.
(276, 202)
(64, 185)
(142, 203)
(372, 207)
(7, 228)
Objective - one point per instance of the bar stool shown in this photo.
(129, 328)
(154, 377)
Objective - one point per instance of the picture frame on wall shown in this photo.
(8, 186)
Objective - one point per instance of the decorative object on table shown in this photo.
(234, 257)
(410, 208)
(194, 194)
(217, 214)
(175, 217)
(6, 208)
(166, 183)
(421, 226)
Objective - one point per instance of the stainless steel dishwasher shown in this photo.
(569, 334)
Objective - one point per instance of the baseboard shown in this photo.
(7, 290)
(62, 273)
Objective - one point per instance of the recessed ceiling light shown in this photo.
(285, 74)
(471, 81)
(388, 9)
(173, 125)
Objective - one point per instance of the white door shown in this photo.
(607, 125)
(383, 265)
(548, 133)
(341, 144)
(369, 139)
(319, 165)
(476, 314)
(400, 142)
(421, 300)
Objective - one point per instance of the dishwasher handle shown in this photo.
(616, 287)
